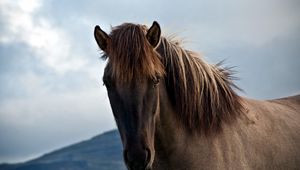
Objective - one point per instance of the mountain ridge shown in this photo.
(103, 152)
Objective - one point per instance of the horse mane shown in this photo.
(202, 93)
(131, 55)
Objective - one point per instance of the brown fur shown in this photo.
(130, 54)
(267, 137)
(201, 92)
(199, 97)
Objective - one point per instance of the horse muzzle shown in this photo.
(137, 159)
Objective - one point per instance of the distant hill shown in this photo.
(102, 152)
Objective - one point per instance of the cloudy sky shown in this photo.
(51, 92)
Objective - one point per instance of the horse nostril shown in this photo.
(137, 158)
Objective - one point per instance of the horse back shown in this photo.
(274, 132)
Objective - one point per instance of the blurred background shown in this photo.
(51, 92)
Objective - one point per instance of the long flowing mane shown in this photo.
(202, 93)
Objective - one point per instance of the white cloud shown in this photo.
(66, 110)
(42, 123)
(50, 44)
(29, 5)
(57, 117)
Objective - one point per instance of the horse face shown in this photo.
(135, 106)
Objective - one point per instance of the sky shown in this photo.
(51, 90)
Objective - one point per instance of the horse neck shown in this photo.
(165, 138)
(171, 137)
(177, 148)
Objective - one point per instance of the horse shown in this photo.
(174, 111)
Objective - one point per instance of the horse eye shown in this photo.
(156, 81)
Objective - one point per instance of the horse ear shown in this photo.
(153, 34)
(101, 38)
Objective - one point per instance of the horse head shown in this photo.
(132, 78)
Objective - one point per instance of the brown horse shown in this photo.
(174, 111)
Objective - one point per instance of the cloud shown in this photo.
(48, 42)
(265, 72)
(208, 22)
(51, 93)
(42, 109)
(44, 123)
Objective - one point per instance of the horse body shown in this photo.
(266, 136)
(174, 111)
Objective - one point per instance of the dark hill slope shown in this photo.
(103, 152)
